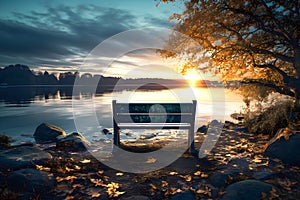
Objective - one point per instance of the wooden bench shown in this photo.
(154, 116)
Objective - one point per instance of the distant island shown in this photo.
(22, 75)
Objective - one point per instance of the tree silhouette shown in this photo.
(255, 41)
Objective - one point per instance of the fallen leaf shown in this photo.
(95, 195)
(164, 183)
(187, 178)
(203, 175)
(197, 173)
(112, 190)
(85, 161)
(151, 160)
(69, 169)
(68, 178)
(42, 168)
(97, 182)
(152, 186)
(77, 167)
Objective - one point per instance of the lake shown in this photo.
(24, 108)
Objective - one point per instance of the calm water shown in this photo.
(22, 109)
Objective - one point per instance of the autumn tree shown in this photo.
(255, 42)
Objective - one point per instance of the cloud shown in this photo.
(59, 34)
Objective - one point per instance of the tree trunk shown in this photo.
(297, 84)
(296, 108)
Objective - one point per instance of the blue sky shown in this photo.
(58, 35)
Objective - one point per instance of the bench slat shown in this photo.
(154, 107)
(156, 114)
(153, 118)
(155, 125)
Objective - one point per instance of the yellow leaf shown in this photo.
(100, 172)
(85, 161)
(151, 160)
(187, 178)
(97, 182)
(173, 173)
(164, 184)
(95, 195)
(204, 175)
(197, 173)
(68, 178)
(119, 174)
(69, 169)
(69, 197)
(112, 190)
(42, 168)
(152, 186)
(77, 167)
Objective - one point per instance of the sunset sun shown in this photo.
(192, 76)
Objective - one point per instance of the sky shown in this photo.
(60, 35)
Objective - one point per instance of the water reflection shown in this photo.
(24, 108)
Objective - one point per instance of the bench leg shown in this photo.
(116, 134)
(191, 142)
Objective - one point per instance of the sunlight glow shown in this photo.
(193, 77)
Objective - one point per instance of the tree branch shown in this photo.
(279, 89)
(276, 22)
(285, 76)
(260, 23)
(267, 52)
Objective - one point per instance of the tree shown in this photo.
(255, 42)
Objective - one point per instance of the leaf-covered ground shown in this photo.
(81, 176)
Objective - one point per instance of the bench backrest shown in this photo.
(154, 112)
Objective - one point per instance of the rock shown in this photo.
(106, 131)
(239, 163)
(263, 175)
(202, 129)
(73, 142)
(237, 116)
(136, 197)
(285, 150)
(146, 137)
(220, 179)
(244, 130)
(215, 123)
(2, 180)
(4, 141)
(186, 195)
(23, 156)
(30, 180)
(47, 133)
(246, 190)
(229, 124)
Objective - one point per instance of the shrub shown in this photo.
(269, 120)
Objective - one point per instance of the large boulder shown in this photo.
(202, 129)
(186, 195)
(73, 142)
(136, 197)
(285, 147)
(22, 156)
(221, 178)
(247, 190)
(30, 181)
(47, 133)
